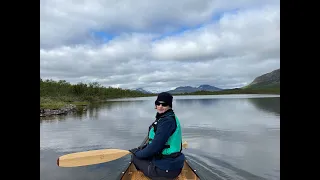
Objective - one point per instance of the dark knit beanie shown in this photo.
(165, 97)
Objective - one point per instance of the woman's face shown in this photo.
(162, 107)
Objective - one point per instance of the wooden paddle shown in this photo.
(94, 157)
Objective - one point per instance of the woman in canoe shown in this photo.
(161, 157)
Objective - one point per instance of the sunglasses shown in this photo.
(162, 103)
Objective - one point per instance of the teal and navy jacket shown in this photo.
(166, 126)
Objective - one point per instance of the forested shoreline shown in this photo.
(57, 95)
(61, 97)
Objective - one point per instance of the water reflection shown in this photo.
(267, 104)
(197, 102)
(49, 119)
(229, 138)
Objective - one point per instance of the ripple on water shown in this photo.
(215, 168)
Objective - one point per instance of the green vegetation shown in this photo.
(265, 85)
(56, 94)
(268, 90)
(260, 88)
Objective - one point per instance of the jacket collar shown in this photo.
(167, 113)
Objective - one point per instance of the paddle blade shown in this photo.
(185, 144)
(90, 157)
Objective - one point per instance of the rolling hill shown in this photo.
(189, 89)
(265, 83)
(268, 80)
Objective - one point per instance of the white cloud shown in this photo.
(246, 32)
(228, 52)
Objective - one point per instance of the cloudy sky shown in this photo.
(160, 44)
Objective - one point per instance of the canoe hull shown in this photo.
(131, 173)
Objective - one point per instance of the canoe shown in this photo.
(131, 173)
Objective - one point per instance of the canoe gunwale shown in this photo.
(126, 169)
(190, 166)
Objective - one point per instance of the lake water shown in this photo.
(229, 136)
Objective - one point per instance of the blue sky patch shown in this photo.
(215, 18)
(103, 36)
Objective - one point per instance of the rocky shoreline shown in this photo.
(62, 111)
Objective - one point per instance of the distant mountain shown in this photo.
(143, 91)
(206, 87)
(268, 80)
(189, 89)
(271, 79)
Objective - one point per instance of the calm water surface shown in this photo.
(229, 136)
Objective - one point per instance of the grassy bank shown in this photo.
(56, 103)
(57, 94)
